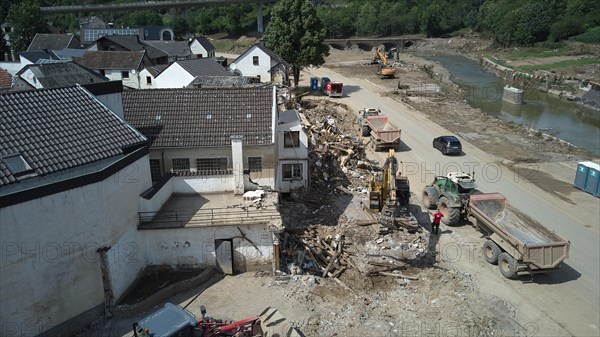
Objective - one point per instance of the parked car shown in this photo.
(447, 145)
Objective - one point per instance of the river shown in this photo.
(563, 119)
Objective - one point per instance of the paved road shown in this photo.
(569, 297)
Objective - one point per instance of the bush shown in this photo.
(592, 35)
(565, 28)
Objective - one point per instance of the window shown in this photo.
(255, 164)
(125, 74)
(255, 60)
(291, 139)
(292, 171)
(181, 165)
(148, 79)
(155, 171)
(17, 164)
(212, 166)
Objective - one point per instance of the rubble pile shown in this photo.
(316, 251)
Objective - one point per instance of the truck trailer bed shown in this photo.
(515, 222)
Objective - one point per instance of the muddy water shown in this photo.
(563, 119)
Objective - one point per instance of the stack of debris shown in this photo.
(316, 252)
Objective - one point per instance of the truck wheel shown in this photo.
(507, 265)
(451, 215)
(429, 197)
(491, 251)
(366, 131)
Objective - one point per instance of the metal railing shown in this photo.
(207, 217)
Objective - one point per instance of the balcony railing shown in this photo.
(207, 217)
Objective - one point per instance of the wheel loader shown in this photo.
(450, 195)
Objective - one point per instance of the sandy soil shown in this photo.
(431, 294)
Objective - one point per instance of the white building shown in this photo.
(292, 146)
(180, 74)
(258, 61)
(71, 172)
(201, 47)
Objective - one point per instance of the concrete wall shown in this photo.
(114, 102)
(246, 65)
(50, 269)
(196, 246)
(173, 77)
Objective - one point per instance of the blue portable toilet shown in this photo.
(324, 81)
(581, 175)
(591, 186)
(314, 83)
(587, 177)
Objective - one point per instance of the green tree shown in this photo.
(431, 20)
(296, 34)
(26, 20)
(180, 27)
(145, 18)
(367, 20)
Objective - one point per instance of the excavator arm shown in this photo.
(384, 71)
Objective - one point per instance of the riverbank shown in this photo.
(427, 87)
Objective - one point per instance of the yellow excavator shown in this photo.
(389, 193)
(384, 69)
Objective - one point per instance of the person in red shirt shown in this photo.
(435, 224)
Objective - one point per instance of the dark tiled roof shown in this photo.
(53, 41)
(157, 69)
(222, 81)
(203, 67)
(5, 79)
(201, 117)
(111, 59)
(68, 54)
(35, 55)
(58, 129)
(204, 43)
(56, 75)
(133, 43)
(172, 48)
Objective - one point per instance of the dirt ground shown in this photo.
(441, 100)
(390, 283)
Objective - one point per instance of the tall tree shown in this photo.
(296, 33)
(26, 20)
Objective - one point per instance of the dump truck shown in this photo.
(332, 88)
(517, 243)
(383, 133)
(363, 114)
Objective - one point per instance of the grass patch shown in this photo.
(562, 64)
(226, 45)
(592, 35)
(538, 52)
